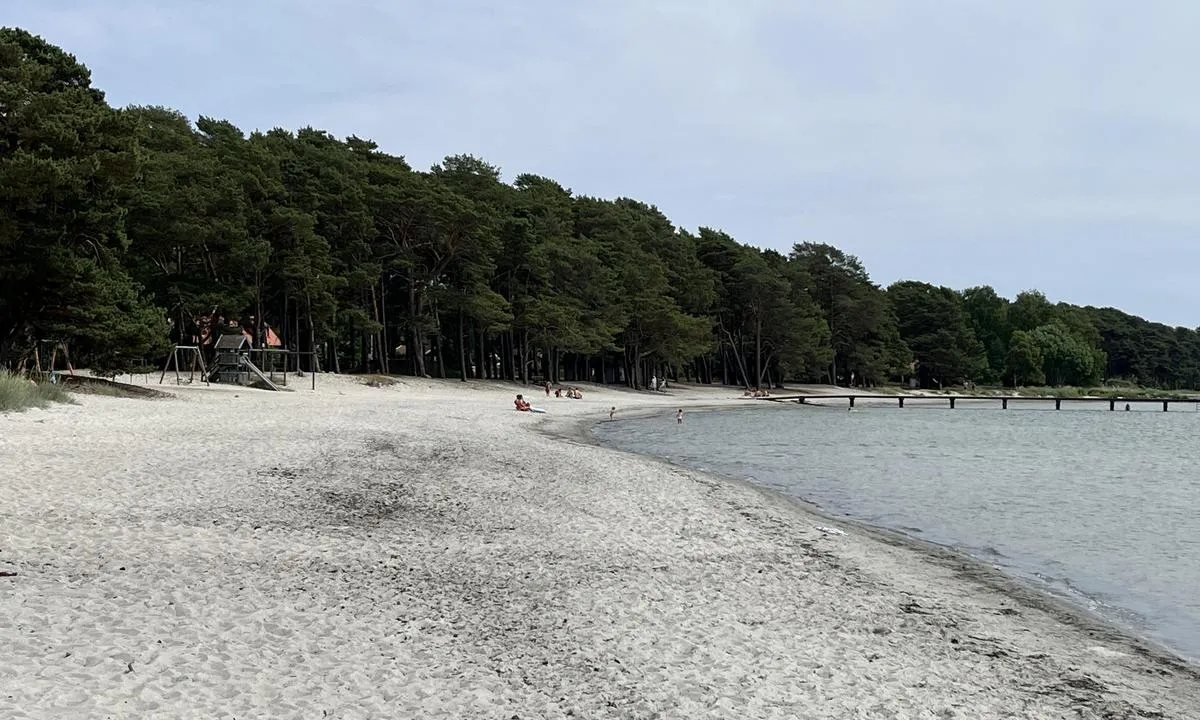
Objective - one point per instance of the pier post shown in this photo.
(1112, 404)
(851, 401)
(1058, 403)
(901, 401)
(1003, 403)
(1165, 405)
(951, 403)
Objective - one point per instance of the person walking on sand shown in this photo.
(612, 411)
(679, 417)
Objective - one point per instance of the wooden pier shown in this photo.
(1004, 400)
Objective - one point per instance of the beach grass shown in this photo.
(100, 389)
(378, 381)
(19, 393)
(87, 385)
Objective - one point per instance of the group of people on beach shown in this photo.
(571, 391)
(756, 392)
(523, 405)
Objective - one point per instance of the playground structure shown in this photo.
(234, 363)
(196, 358)
(45, 365)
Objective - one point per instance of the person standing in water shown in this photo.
(679, 417)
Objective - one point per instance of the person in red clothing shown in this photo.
(521, 404)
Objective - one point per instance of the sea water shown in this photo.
(1100, 507)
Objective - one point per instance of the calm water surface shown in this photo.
(1101, 507)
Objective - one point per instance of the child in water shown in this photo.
(612, 411)
(679, 416)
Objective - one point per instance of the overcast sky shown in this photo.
(1045, 144)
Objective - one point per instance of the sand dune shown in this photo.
(423, 551)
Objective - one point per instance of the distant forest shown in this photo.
(123, 231)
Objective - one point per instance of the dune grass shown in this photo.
(378, 381)
(19, 393)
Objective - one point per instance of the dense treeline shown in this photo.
(124, 230)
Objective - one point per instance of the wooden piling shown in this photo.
(1004, 399)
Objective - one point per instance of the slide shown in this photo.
(258, 373)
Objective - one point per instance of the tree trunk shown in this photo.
(483, 370)
(462, 345)
(258, 292)
(758, 352)
(364, 352)
(283, 328)
(333, 345)
(507, 372)
(418, 342)
(439, 344)
(296, 330)
(312, 333)
(377, 336)
(524, 358)
(386, 349)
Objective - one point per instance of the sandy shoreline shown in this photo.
(424, 551)
(972, 569)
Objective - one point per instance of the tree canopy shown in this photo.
(123, 230)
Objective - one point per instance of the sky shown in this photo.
(1021, 144)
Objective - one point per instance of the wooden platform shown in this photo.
(1004, 400)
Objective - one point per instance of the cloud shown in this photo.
(967, 142)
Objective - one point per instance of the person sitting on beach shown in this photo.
(521, 404)
(557, 392)
(577, 395)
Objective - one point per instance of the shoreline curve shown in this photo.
(970, 569)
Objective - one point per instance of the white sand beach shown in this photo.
(423, 551)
